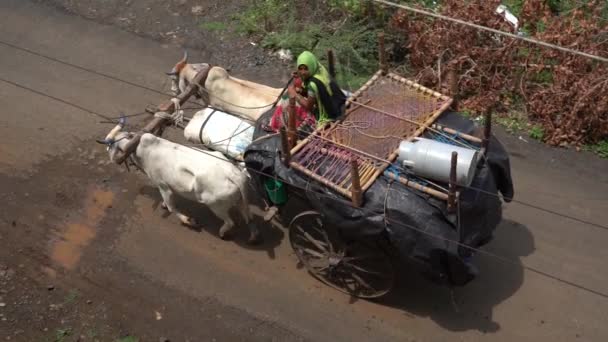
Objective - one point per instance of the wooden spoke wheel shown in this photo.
(359, 268)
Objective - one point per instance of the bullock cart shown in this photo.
(397, 178)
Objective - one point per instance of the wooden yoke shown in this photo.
(157, 124)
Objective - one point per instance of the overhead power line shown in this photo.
(41, 55)
(500, 258)
(56, 99)
(75, 66)
(484, 28)
(549, 211)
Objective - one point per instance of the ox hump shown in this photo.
(217, 73)
(148, 139)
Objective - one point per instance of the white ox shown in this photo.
(225, 92)
(208, 178)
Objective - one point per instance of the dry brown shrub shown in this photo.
(565, 93)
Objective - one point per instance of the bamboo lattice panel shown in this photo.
(392, 109)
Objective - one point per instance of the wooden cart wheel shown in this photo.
(359, 268)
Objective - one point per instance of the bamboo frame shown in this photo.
(418, 86)
(464, 136)
(365, 170)
(319, 131)
(363, 153)
(428, 121)
(356, 191)
(417, 133)
(368, 172)
(413, 122)
(437, 194)
(320, 179)
(367, 84)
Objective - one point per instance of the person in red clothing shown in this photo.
(304, 118)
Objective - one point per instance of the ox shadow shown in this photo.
(469, 307)
(208, 222)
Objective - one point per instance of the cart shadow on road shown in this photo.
(465, 308)
(470, 307)
(208, 222)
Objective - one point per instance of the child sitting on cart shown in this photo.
(319, 99)
(322, 95)
(305, 121)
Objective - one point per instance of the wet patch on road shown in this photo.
(78, 235)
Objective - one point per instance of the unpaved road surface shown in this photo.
(86, 252)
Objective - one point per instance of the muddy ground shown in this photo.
(43, 300)
(87, 254)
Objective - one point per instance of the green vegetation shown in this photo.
(466, 113)
(262, 16)
(601, 148)
(213, 26)
(71, 297)
(544, 77)
(557, 6)
(513, 122)
(537, 132)
(128, 339)
(516, 122)
(92, 333)
(62, 334)
(342, 26)
(515, 6)
(350, 29)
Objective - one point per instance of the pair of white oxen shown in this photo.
(208, 178)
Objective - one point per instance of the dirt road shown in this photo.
(86, 252)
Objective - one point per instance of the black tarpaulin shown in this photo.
(418, 226)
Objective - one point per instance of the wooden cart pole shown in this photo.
(357, 197)
(487, 132)
(292, 134)
(331, 62)
(382, 54)
(169, 107)
(285, 150)
(452, 84)
(452, 189)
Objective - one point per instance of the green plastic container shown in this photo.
(276, 191)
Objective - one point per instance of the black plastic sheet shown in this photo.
(417, 225)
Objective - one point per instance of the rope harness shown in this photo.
(178, 115)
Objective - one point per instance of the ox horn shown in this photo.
(110, 137)
(180, 65)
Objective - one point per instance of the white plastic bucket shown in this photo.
(432, 159)
(219, 131)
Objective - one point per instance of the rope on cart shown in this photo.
(452, 139)
(178, 115)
